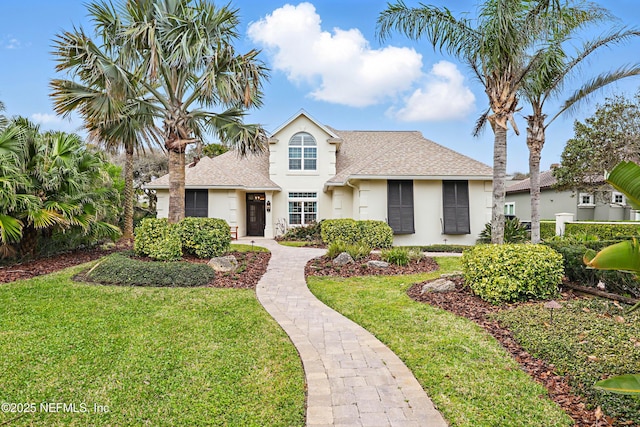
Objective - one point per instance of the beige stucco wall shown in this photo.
(551, 203)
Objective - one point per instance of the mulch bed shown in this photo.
(323, 266)
(463, 303)
(253, 264)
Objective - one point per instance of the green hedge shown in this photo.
(117, 269)
(205, 237)
(375, 234)
(547, 229)
(158, 239)
(309, 232)
(617, 232)
(512, 272)
(202, 237)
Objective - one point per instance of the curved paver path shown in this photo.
(352, 378)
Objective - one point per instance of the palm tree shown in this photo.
(547, 80)
(180, 52)
(498, 47)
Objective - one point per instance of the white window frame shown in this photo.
(617, 194)
(308, 205)
(308, 151)
(510, 208)
(590, 203)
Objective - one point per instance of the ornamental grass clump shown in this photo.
(512, 272)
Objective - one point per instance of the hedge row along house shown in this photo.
(427, 193)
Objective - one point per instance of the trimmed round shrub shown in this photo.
(375, 234)
(205, 237)
(339, 231)
(512, 272)
(117, 269)
(371, 233)
(158, 239)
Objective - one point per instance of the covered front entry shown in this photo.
(255, 214)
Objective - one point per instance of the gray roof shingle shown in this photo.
(364, 154)
(547, 180)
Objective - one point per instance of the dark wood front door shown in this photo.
(255, 214)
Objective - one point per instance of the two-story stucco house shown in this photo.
(427, 193)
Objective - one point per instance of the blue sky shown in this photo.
(326, 59)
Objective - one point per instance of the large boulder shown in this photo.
(224, 264)
(343, 259)
(438, 285)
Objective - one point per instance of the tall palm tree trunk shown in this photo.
(499, 173)
(127, 232)
(176, 186)
(535, 142)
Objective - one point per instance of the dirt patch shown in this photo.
(463, 303)
(323, 266)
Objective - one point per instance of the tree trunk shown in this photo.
(499, 172)
(176, 186)
(535, 142)
(127, 232)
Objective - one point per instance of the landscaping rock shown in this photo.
(438, 285)
(224, 263)
(343, 259)
(378, 264)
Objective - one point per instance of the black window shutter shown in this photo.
(455, 197)
(400, 206)
(196, 203)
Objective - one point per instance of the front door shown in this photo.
(255, 214)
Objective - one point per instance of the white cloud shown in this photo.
(443, 96)
(50, 121)
(13, 44)
(341, 64)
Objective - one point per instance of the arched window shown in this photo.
(303, 153)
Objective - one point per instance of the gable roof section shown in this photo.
(398, 155)
(228, 170)
(547, 180)
(302, 112)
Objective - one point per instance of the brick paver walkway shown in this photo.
(352, 378)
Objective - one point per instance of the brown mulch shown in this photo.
(323, 266)
(252, 266)
(463, 303)
(37, 267)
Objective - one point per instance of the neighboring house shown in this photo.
(600, 205)
(427, 193)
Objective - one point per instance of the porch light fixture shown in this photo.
(268, 205)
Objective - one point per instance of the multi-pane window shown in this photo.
(510, 208)
(617, 198)
(303, 152)
(303, 208)
(586, 199)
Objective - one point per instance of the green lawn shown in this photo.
(160, 357)
(469, 376)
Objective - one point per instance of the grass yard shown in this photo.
(145, 356)
(472, 380)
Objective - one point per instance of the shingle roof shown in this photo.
(547, 180)
(362, 154)
(226, 171)
(398, 154)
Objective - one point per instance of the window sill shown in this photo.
(303, 173)
(590, 206)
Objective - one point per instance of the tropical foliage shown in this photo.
(52, 182)
(624, 256)
(174, 61)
